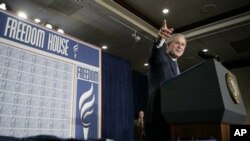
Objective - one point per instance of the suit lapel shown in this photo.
(172, 65)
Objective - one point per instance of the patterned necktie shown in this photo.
(176, 68)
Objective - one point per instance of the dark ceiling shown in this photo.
(221, 26)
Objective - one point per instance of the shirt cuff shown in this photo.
(160, 44)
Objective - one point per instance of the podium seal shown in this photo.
(233, 88)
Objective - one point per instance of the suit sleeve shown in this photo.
(156, 55)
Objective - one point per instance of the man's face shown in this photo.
(177, 47)
(141, 114)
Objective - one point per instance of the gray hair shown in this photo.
(172, 38)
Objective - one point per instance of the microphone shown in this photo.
(206, 56)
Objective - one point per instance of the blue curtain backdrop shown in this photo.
(117, 99)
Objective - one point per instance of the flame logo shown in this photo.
(75, 50)
(86, 103)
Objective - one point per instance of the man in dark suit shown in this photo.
(163, 66)
(139, 131)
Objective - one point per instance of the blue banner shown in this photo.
(34, 36)
(87, 104)
(87, 110)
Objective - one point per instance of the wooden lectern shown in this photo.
(202, 102)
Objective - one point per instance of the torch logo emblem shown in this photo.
(86, 108)
(75, 50)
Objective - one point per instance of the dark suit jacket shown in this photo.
(161, 69)
(139, 133)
